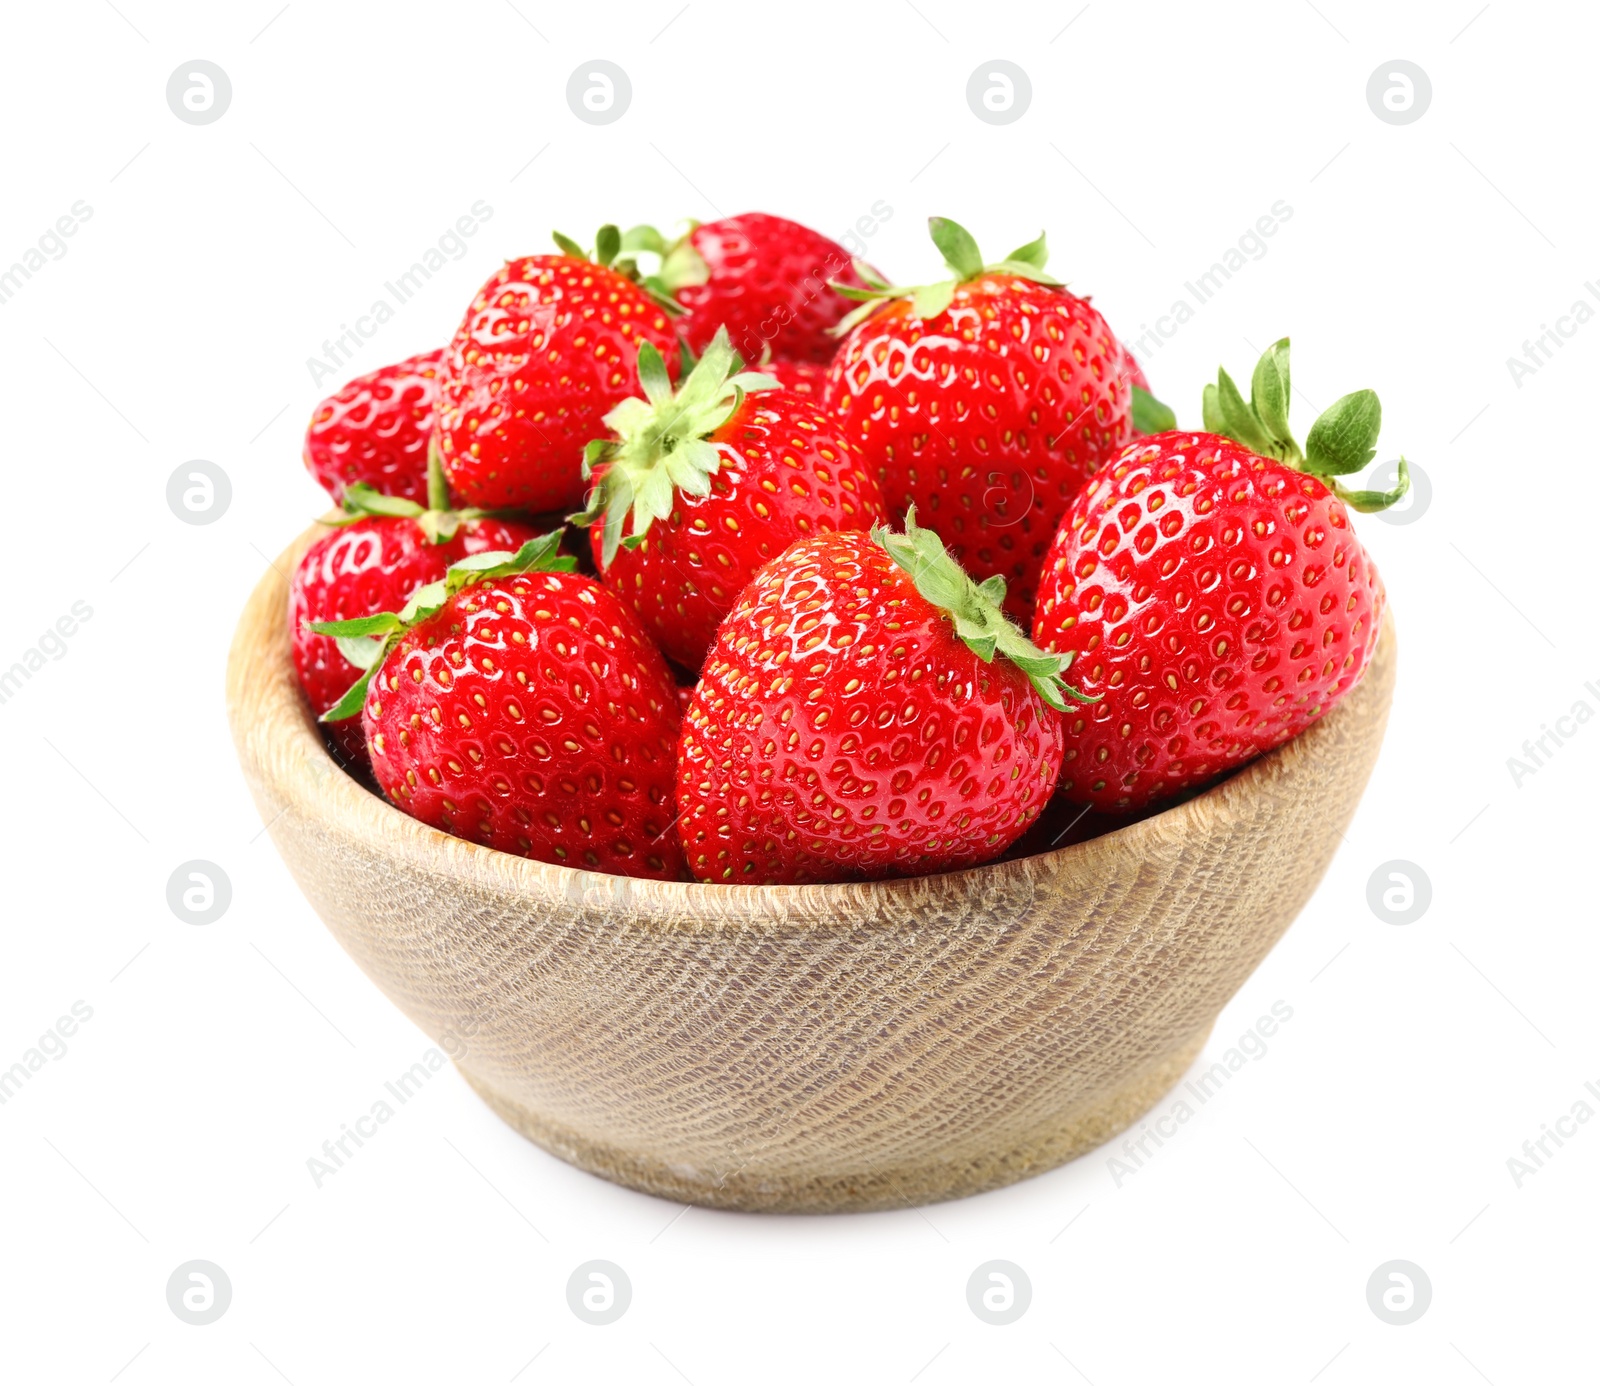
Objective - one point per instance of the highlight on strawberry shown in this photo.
(868, 710)
(519, 704)
(986, 398)
(699, 486)
(380, 550)
(546, 348)
(765, 280)
(1213, 591)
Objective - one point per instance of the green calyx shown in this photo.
(661, 444)
(1343, 439)
(436, 519)
(961, 254)
(681, 265)
(367, 639)
(975, 607)
(612, 252)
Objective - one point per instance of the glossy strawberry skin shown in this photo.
(355, 570)
(1220, 602)
(800, 377)
(768, 285)
(840, 731)
(989, 417)
(376, 430)
(533, 715)
(786, 474)
(546, 349)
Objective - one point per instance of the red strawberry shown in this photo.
(1213, 591)
(802, 377)
(376, 430)
(853, 721)
(705, 485)
(986, 400)
(520, 705)
(546, 348)
(765, 279)
(369, 565)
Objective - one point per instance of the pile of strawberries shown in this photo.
(878, 580)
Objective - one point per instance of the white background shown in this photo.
(178, 325)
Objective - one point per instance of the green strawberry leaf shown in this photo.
(1345, 436)
(1239, 420)
(1269, 391)
(607, 242)
(359, 650)
(354, 697)
(1370, 502)
(659, 444)
(1211, 411)
(653, 377)
(1150, 415)
(646, 238)
(381, 623)
(955, 243)
(975, 609)
(568, 246)
(1035, 253)
(932, 299)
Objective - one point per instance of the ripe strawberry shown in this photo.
(802, 377)
(376, 430)
(546, 348)
(766, 279)
(703, 486)
(374, 562)
(520, 705)
(1213, 591)
(853, 721)
(987, 400)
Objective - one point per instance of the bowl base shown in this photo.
(753, 1190)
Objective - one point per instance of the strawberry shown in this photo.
(546, 348)
(1213, 591)
(766, 279)
(700, 488)
(520, 705)
(802, 377)
(371, 562)
(867, 711)
(376, 429)
(987, 400)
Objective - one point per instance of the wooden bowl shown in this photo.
(808, 1048)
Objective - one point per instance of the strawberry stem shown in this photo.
(976, 609)
(961, 254)
(661, 442)
(366, 640)
(1343, 439)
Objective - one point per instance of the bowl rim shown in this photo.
(308, 776)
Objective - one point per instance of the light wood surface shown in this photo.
(809, 1048)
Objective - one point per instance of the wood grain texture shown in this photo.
(809, 1048)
